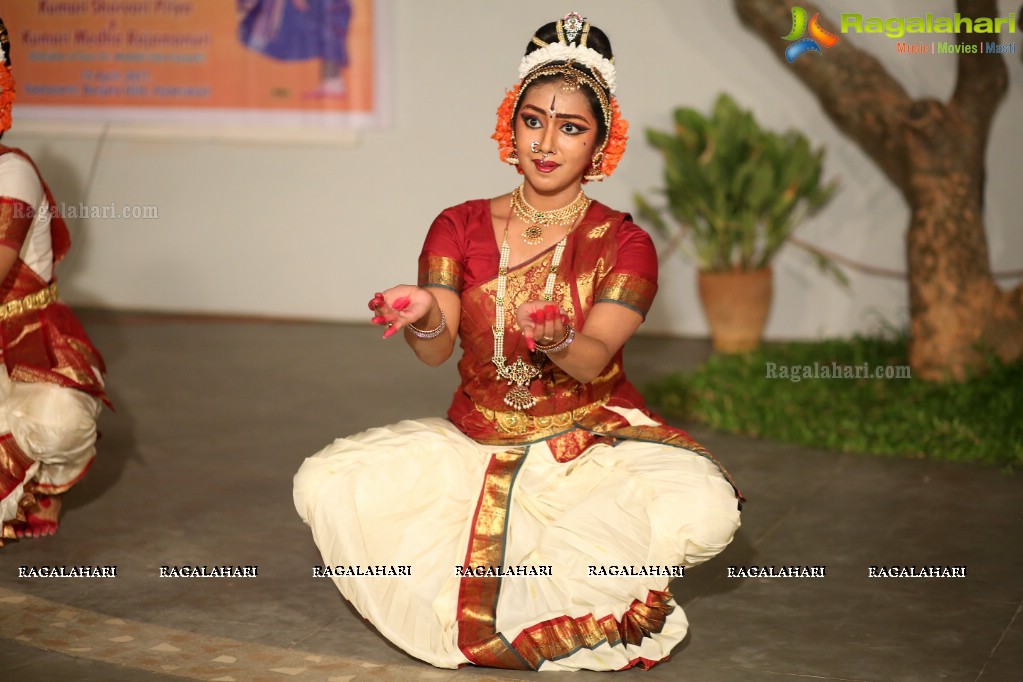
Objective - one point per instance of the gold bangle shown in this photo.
(560, 345)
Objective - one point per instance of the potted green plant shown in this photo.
(735, 192)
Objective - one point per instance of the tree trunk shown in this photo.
(934, 153)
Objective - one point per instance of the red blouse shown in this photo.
(607, 258)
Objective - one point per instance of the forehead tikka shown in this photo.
(568, 72)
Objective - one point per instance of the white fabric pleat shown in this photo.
(406, 495)
(54, 426)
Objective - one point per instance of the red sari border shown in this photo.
(552, 639)
(478, 638)
(561, 637)
(14, 464)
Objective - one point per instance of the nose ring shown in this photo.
(535, 147)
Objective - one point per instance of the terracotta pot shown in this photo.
(736, 305)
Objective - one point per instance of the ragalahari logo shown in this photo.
(818, 36)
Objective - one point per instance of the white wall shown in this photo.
(267, 228)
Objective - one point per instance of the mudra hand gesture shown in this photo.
(541, 322)
(399, 306)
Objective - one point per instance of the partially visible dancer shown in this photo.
(51, 382)
(538, 527)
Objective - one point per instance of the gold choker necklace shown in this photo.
(537, 220)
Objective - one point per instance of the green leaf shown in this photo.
(651, 215)
(735, 190)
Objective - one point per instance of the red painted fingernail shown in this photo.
(530, 344)
(44, 502)
(564, 318)
(379, 319)
(391, 331)
(401, 303)
(551, 310)
(534, 316)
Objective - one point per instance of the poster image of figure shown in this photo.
(300, 30)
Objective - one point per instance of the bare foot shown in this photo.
(40, 519)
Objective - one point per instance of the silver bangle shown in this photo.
(560, 345)
(428, 333)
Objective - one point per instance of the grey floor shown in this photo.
(214, 417)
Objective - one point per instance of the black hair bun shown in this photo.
(596, 40)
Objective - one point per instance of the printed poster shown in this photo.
(249, 62)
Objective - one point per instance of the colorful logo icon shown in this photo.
(818, 36)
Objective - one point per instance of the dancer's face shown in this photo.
(563, 124)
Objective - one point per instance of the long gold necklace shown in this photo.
(519, 373)
(537, 220)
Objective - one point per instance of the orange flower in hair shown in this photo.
(503, 131)
(6, 97)
(616, 139)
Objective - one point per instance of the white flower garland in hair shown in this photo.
(557, 52)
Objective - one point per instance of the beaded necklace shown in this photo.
(520, 373)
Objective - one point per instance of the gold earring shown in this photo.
(596, 173)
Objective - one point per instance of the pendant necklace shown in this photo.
(520, 373)
(536, 220)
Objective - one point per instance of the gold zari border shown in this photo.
(441, 271)
(519, 423)
(630, 290)
(14, 464)
(478, 638)
(560, 637)
(34, 301)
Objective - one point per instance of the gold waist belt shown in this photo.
(520, 422)
(34, 301)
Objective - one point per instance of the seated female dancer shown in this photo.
(539, 525)
(51, 382)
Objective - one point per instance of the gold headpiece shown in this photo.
(568, 50)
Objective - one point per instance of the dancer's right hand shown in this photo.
(400, 305)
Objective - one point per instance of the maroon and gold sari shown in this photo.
(608, 259)
(41, 344)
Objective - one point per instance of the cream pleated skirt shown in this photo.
(590, 540)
